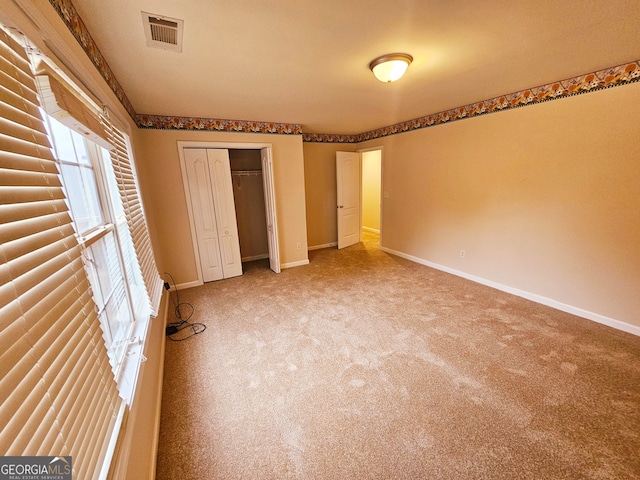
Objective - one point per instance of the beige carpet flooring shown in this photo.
(362, 365)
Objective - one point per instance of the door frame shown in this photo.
(266, 160)
(218, 145)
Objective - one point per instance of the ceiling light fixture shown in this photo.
(389, 68)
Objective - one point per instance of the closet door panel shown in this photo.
(225, 212)
(228, 252)
(210, 258)
(201, 197)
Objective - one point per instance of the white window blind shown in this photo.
(126, 179)
(62, 104)
(57, 392)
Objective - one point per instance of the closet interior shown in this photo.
(248, 195)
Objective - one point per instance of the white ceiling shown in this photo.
(306, 61)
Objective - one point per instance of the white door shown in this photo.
(203, 213)
(225, 209)
(348, 179)
(270, 210)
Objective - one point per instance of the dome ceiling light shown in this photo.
(389, 68)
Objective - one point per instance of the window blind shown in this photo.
(62, 104)
(57, 392)
(127, 185)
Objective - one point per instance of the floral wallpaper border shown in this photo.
(215, 124)
(606, 78)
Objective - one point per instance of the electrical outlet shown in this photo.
(299, 246)
(462, 253)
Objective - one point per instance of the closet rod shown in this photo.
(246, 172)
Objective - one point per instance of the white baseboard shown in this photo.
(295, 264)
(183, 286)
(373, 230)
(326, 245)
(549, 302)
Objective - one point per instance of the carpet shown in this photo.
(363, 365)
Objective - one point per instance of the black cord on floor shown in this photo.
(182, 329)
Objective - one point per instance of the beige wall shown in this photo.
(544, 199)
(371, 179)
(158, 166)
(321, 191)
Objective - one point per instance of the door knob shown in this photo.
(340, 206)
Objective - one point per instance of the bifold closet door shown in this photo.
(213, 210)
(204, 217)
(225, 208)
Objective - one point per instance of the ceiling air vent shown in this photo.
(163, 32)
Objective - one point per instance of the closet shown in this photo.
(231, 208)
(248, 195)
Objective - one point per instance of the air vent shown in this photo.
(163, 32)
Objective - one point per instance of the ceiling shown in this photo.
(306, 62)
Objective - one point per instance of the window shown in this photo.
(79, 176)
(100, 223)
(132, 271)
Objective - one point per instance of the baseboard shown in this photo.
(295, 264)
(183, 286)
(255, 257)
(326, 245)
(373, 230)
(549, 302)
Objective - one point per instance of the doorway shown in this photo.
(371, 194)
(223, 182)
(359, 193)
